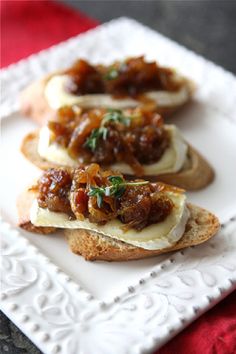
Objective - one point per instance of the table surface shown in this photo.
(207, 27)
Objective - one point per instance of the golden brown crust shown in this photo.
(29, 150)
(201, 226)
(197, 175)
(34, 104)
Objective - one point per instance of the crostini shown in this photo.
(109, 218)
(123, 84)
(134, 141)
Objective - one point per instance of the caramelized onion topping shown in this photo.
(134, 136)
(131, 77)
(136, 204)
(53, 190)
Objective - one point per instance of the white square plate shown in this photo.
(67, 305)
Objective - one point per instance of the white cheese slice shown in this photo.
(57, 97)
(53, 152)
(171, 161)
(157, 236)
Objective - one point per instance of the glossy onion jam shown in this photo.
(134, 136)
(102, 196)
(131, 77)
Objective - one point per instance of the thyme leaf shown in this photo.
(116, 189)
(113, 115)
(97, 192)
(116, 116)
(112, 74)
(95, 135)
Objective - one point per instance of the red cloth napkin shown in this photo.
(213, 333)
(29, 26)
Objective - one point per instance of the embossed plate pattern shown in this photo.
(67, 305)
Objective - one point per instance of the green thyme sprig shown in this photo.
(114, 72)
(116, 189)
(96, 134)
(114, 116)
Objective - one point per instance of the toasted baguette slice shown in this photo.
(201, 226)
(34, 104)
(196, 175)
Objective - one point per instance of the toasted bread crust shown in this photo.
(29, 150)
(201, 226)
(33, 102)
(197, 175)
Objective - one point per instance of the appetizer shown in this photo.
(123, 84)
(133, 141)
(109, 218)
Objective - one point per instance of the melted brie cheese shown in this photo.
(156, 236)
(53, 152)
(171, 161)
(57, 97)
